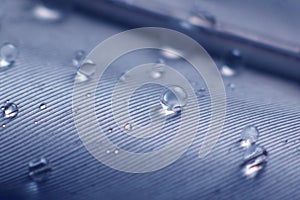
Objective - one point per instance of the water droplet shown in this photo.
(3, 125)
(231, 86)
(116, 151)
(249, 136)
(88, 95)
(232, 63)
(78, 58)
(110, 130)
(173, 99)
(9, 110)
(158, 70)
(8, 55)
(201, 92)
(39, 170)
(86, 70)
(128, 127)
(43, 106)
(36, 122)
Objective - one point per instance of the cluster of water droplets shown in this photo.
(255, 156)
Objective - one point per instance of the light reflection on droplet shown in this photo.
(43, 106)
(128, 126)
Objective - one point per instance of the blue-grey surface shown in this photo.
(43, 73)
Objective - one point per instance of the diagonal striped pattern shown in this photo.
(43, 74)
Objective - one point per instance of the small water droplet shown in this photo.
(158, 70)
(110, 130)
(39, 170)
(78, 58)
(232, 63)
(36, 122)
(249, 135)
(88, 95)
(9, 110)
(43, 106)
(128, 127)
(3, 125)
(173, 99)
(8, 55)
(231, 86)
(116, 151)
(201, 92)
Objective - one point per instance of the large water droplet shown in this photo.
(232, 63)
(39, 170)
(249, 135)
(9, 110)
(8, 55)
(173, 99)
